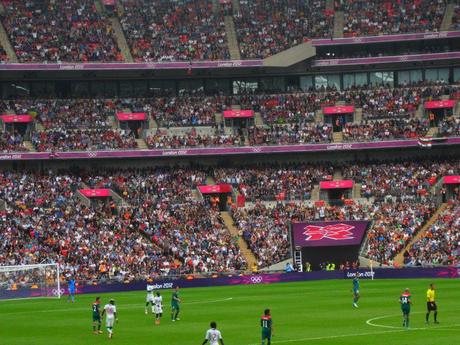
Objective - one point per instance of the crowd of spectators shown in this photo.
(440, 245)
(274, 182)
(174, 30)
(12, 142)
(59, 31)
(192, 139)
(290, 134)
(385, 130)
(372, 18)
(456, 18)
(62, 139)
(3, 56)
(449, 127)
(265, 28)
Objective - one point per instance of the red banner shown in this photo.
(131, 116)
(340, 109)
(108, 2)
(450, 103)
(215, 189)
(96, 193)
(233, 114)
(452, 179)
(336, 184)
(17, 118)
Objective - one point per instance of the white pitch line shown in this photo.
(333, 336)
(370, 323)
(122, 306)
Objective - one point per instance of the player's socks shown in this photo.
(426, 317)
(436, 317)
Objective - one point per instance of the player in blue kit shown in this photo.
(72, 287)
(355, 290)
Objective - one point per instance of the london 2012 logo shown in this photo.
(337, 232)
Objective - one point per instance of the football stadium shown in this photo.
(178, 172)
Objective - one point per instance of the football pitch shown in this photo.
(318, 312)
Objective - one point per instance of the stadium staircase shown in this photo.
(197, 195)
(83, 199)
(337, 137)
(113, 122)
(245, 251)
(447, 20)
(39, 127)
(141, 144)
(337, 175)
(28, 144)
(319, 117)
(210, 181)
(6, 44)
(356, 192)
(291, 56)
(433, 132)
(399, 259)
(315, 193)
(236, 6)
(232, 41)
(2, 205)
(339, 20)
(358, 116)
(258, 121)
(219, 119)
(121, 40)
(215, 6)
(419, 113)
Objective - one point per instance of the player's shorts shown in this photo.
(71, 292)
(405, 310)
(157, 309)
(356, 292)
(96, 318)
(175, 306)
(110, 321)
(266, 334)
(431, 306)
(149, 298)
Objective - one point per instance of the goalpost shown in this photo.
(30, 281)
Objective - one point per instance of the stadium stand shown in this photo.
(174, 30)
(59, 31)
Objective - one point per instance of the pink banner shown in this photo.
(215, 189)
(96, 193)
(452, 179)
(450, 103)
(232, 114)
(131, 116)
(336, 184)
(108, 2)
(340, 109)
(17, 118)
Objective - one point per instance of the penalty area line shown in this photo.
(371, 323)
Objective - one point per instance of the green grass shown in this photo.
(317, 312)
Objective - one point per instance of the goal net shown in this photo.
(28, 281)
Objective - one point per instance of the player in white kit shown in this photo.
(158, 307)
(111, 316)
(213, 335)
(149, 299)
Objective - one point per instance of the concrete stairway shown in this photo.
(232, 41)
(113, 122)
(210, 181)
(258, 121)
(152, 124)
(329, 5)
(337, 176)
(236, 6)
(83, 199)
(337, 137)
(245, 251)
(119, 201)
(6, 44)
(356, 192)
(399, 259)
(141, 144)
(420, 112)
(319, 116)
(447, 19)
(121, 40)
(28, 144)
(358, 116)
(215, 6)
(219, 118)
(197, 195)
(39, 127)
(2, 205)
(432, 132)
(339, 21)
(315, 193)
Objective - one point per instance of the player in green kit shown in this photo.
(405, 301)
(355, 290)
(267, 327)
(175, 308)
(96, 316)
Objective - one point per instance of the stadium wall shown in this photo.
(256, 279)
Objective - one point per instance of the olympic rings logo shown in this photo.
(92, 154)
(256, 279)
(55, 292)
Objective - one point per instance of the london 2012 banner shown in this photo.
(327, 234)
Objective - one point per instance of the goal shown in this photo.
(30, 281)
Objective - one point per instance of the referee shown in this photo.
(431, 304)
